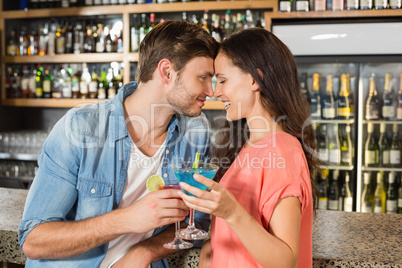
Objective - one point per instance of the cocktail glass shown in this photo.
(177, 243)
(184, 172)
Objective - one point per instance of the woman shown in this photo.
(263, 205)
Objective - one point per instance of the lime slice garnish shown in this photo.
(153, 182)
(197, 159)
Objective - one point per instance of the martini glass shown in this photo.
(184, 172)
(177, 243)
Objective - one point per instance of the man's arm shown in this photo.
(53, 240)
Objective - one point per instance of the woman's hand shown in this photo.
(218, 202)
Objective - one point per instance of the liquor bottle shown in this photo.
(22, 43)
(97, 2)
(334, 151)
(100, 40)
(58, 83)
(51, 43)
(109, 44)
(395, 152)
(380, 4)
(304, 88)
(25, 82)
(343, 99)
(346, 147)
(89, 41)
(216, 32)
(33, 43)
(372, 102)
(135, 35)
(400, 199)
(285, 5)
(65, 3)
(78, 39)
(119, 42)
(380, 195)
(392, 194)
(367, 197)
(320, 5)
(348, 199)
(351, 95)
(333, 192)
(47, 83)
(93, 85)
(302, 5)
(102, 85)
(69, 39)
(33, 4)
(84, 82)
(328, 102)
(371, 148)
(144, 27)
(73, 3)
(60, 40)
(323, 190)
(337, 5)
(32, 83)
(352, 4)
(323, 144)
(388, 99)
(366, 4)
(75, 82)
(43, 40)
(39, 82)
(315, 102)
(67, 91)
(12, 44)
(399, 104)
(383, 147)
(112, 90)
(395, 4)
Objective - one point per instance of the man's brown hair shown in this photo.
(177, 41)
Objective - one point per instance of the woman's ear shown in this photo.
(255, 85)
(165, 70)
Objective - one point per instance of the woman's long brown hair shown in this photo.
(257, 49)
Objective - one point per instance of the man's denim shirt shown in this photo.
(83, 170)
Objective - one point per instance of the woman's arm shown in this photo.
(277, 248)
(205, 255)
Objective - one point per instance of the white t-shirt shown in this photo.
(139, 169)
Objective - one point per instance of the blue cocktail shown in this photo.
(184, 172)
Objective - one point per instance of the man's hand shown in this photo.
(154, 210)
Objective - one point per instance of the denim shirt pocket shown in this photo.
(93, 188)
(94, 198)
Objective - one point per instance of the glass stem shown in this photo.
(191, 221)
(177, 229)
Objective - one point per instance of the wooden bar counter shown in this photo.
(340, 239)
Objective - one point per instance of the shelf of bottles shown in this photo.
(96, 39)
(381, 154)
(337, 5)
(330, 90)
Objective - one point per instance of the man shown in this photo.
(88, 205)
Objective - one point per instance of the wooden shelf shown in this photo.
(69, 58)
(69, 103)
(48, 103)
(144, 8)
